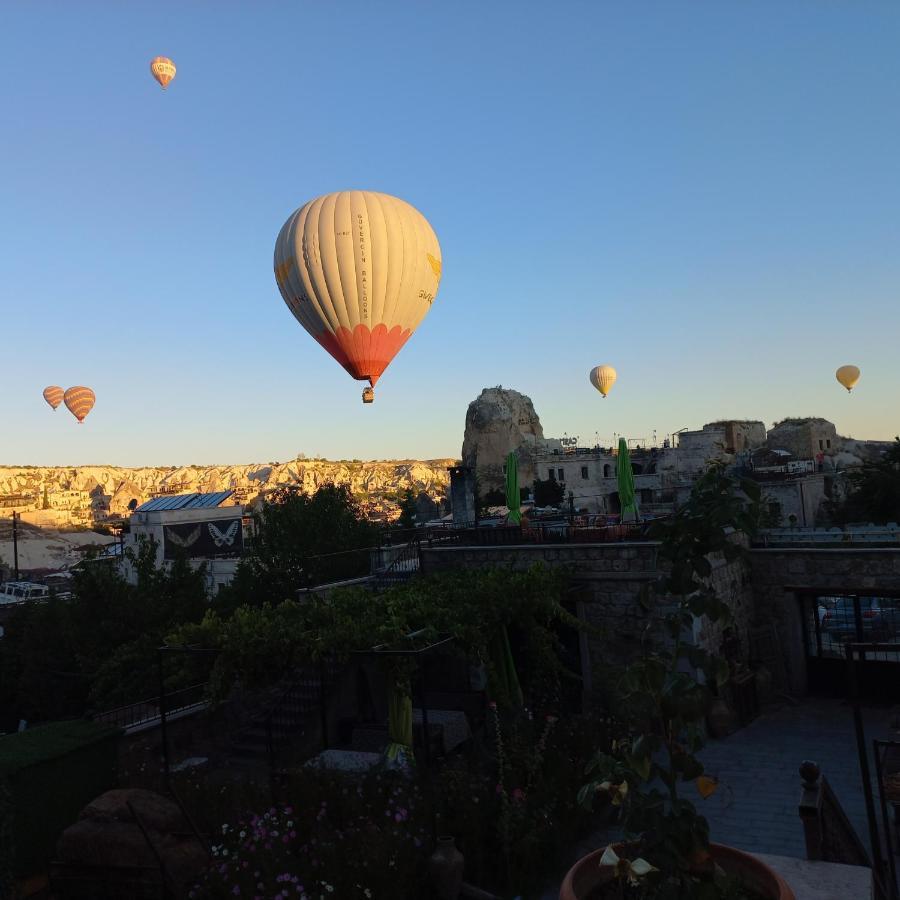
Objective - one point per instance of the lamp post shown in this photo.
(15, 545)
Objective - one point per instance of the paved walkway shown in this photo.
(755, 807)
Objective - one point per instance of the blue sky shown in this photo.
(705, 195)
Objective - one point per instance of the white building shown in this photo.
(207, 528)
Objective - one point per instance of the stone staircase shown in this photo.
(285, 714)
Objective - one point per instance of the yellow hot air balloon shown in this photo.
(359, 270)
(162, 69)
(603, 378)
(847, 376)
(53, 395)
(79, 401)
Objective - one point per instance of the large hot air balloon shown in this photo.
(79, 401)
(162, 69)
(603, 378)
(53, 395)
(359, 270)
(847, 376)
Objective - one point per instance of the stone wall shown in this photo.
(607, 580)
(779, 576)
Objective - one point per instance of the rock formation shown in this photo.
(58, 496)
(499, 421)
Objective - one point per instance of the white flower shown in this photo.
(632, 869)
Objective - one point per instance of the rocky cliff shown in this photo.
(78, 496)
(499, 421)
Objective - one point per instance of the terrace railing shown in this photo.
(146, 713)
(858, 535)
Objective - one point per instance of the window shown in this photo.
(551, 474)
(820, 444)
(584, 472)
(561, 474)
(606, 471)
(828, 443)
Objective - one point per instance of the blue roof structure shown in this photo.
(185, 501)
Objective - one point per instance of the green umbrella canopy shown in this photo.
(513, 500)
(625, 479)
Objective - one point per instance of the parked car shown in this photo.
(880, 619)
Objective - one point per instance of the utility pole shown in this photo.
(15, 546)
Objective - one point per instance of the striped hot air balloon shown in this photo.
(359, 270)
(163, 70)
(53, 395)
(79, 401)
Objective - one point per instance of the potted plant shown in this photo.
(665, 697)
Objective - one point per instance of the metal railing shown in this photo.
(145, 712)
(780, 537)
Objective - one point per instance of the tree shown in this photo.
(97, 649)
(46, 502)
(407, 509)
(300, 540)
(548, 493)
(492, 497)
(873, 492)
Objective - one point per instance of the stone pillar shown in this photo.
(462, 495)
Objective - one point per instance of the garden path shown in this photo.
(755, 808)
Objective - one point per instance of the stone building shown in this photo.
(805, 438)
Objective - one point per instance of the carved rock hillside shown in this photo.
(59, 496)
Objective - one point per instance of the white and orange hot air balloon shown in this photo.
(162, 69)
(79, 401)
(359, 270)
(53, 395)
(603, 378)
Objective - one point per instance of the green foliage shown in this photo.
(664, 704)
(548, 493)
(874, 492)
(493, 497)
(260, 644)
(97, 648)
(407, 509)
(51, 773)
(301, 540)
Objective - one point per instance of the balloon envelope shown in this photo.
(53, 395)
(79, 401)
(847, 376)
(359, 270)
(162, 69)
(603, 378)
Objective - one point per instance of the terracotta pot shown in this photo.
(586, 874)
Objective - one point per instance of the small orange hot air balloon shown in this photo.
(53, 395)
(162, 69)
(80, 401)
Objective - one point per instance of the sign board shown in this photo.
(203, 540)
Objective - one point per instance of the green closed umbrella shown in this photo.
(625, 479)
(513, 500)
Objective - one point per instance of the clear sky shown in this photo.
(705, 195)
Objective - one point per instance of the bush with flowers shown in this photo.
(513, 806)
(365, 839)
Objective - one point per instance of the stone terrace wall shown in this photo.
(607, 579)
(779, 575)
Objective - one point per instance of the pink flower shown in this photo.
(285, 839)
(492, 704)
